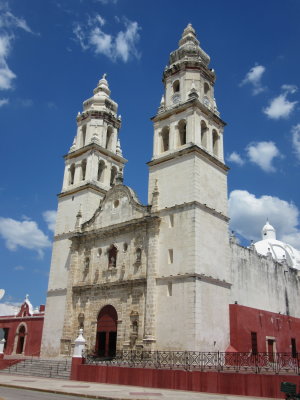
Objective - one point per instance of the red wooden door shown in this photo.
(106, 339)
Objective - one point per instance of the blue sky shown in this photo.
(52, 54)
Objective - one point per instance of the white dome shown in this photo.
(280, 251)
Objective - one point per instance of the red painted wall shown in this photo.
(244, 320)
(210, 382)
(34, 328)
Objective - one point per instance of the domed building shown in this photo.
(280, 251)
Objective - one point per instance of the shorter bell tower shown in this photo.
(91, 167)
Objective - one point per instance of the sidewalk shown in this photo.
(106, 391)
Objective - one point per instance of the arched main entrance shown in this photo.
(21, 340)
(106, 340)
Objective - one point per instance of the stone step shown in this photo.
(41, 367)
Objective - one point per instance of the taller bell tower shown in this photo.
(188, 190)
(91, 167)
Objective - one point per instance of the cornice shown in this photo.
(105, 115)
(116, 228)
(186, 65)
(95, 147)
(57, 292)
(77, 189)
(129, 282)
(195, 102)
(193, 148)
(196, 276)
(192, 204)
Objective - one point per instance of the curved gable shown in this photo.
(120, 204)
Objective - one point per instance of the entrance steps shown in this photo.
(48, 368)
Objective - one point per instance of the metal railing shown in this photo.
(273, 363)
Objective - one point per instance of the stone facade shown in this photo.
(161, 276)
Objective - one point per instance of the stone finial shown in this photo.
(119, 178)
(79, 345)
(102, 86)
(161, 107)
(78, 220)
(118, 149)
(193, 92)
(155, 196)
(73, 147)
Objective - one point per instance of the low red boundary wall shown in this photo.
(6, 363)
(211, 382)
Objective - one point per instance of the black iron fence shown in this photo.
(274, 363)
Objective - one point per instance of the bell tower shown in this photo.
(188, 177)
(188, 127)
(91, 167)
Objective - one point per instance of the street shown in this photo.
(24, 394)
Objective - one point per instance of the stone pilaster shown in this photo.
(150, 298)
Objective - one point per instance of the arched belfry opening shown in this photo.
(21, 340)
(106, 340)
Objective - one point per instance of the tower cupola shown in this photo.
(189, 48)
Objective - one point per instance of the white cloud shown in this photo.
(125, 41)
(249, 213)
(296, 140)
(19, 268)
(236, 158)
(8, 24)
(8, 21)
(3, 102)
(120, 46)
(280, 106)
(254, 77)
(263, 154)
(23, 234)
(9, 308)
(6, 75)
(50, 217)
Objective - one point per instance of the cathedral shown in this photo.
(167, 275)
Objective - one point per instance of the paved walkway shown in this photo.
(107, 391)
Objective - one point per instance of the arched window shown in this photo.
(21, 339)
(206, 87)
(72, 174)
(138, 254)
(165, 139)
(83, 135)
(109, 134)
(101, 167)
(112, 256)
(215, 139)
(113, 174)
(83, 169)
(87, 263)
(182, 132)
(176, 86)
(204, 132)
